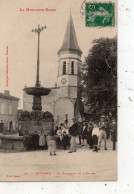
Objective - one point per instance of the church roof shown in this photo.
(70, 40)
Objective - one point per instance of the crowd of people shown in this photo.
(90, 134)
(35, 141)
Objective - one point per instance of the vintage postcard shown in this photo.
(58, 91)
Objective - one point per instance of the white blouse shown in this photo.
(96, 131)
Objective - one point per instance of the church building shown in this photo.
(64, 99)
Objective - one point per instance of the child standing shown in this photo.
(95, 135)
(51, 142)
(42, 140)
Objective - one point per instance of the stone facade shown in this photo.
(8, 111)
(32, 126)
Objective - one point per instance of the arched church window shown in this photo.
(3, 108)
(10, 109)
(72, 67)
(64, 68)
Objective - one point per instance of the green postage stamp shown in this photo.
(100, 14)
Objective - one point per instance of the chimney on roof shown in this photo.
(7, 92)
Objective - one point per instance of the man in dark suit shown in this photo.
(113, 129)
(80, 132)
(73, 131)
(89, 135)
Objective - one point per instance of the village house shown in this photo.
(8, 111)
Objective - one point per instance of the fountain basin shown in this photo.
(11, 142)
(37, 91)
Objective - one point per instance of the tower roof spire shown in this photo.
(70, 40)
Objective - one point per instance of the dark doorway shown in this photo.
(10, 126)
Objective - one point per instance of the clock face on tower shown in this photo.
(63, 81)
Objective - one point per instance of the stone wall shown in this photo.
(61, 107)
(32, 126)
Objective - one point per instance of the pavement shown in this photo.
(83, 165)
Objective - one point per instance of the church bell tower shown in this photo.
(69, 62)
(69, 103)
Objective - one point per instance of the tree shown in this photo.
(99, 77)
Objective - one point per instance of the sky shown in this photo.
(16, 34)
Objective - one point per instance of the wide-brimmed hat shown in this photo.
(103, 116)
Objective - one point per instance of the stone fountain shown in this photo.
(37, 91)
(37, 119)
(34, 120)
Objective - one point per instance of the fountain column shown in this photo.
(37, 91)
(38, 60)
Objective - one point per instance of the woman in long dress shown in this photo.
(42, 140)
(51, 142)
